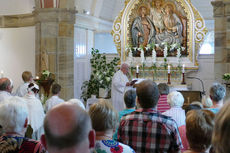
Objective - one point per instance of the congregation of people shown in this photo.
(141, 118)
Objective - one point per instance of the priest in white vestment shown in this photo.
(119, 83)
(6, 86)
(36, 111)
(54, 100)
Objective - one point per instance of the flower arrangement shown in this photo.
(226, 77)
(101, 75)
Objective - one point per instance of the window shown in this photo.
(208, 45)
(104, 43)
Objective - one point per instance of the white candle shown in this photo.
(183, 68)
(37, 77)
(168, 68)
(137, 69)
(2, 74)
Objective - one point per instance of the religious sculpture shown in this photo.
(44, 60)
(156, 15)
(173, 27)
(143, 30)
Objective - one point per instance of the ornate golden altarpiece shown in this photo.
(195, 32)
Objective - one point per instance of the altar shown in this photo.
(159, 39)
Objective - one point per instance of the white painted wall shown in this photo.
(12, 7)
(17, 52)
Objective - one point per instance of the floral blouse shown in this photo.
(111, 146)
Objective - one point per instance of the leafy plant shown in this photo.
(226, 77)
(101, 75)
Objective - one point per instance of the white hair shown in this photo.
(78, 102)
(13, 114)
(175, 98)
(207, 102)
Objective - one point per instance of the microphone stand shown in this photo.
(202, 83)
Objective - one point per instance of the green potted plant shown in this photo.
(101, 75)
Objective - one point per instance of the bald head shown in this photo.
(5, 85)
(125, 68)
(66, 126)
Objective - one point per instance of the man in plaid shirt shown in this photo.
(146, 130)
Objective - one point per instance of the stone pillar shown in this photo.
(55, 41)
(222, 38)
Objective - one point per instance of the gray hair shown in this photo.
(5, 83)
(163, 88)
(175, 98)
(130, 98)
(13, 114)
(217, 92)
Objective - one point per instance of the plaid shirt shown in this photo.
(148, 131)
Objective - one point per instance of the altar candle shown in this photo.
(183, 68)
(168, 68)
(137, 69)
(2, 74)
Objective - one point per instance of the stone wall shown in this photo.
(55, 43)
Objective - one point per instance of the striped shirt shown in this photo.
(162, 104)
(146, 130)
(178, 114)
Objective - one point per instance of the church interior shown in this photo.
(81, 45)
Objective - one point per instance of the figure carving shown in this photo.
(173, 26)
(143, 30)
(44, 60)
(156, 15)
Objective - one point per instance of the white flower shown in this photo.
(173, 46)
(154, 56)
(157, 45)
(165, 52)
(178, 54)
(135, 48)
(142, 56)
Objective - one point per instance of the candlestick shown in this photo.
(168, 68)
(183, 80)
(137, 69)
(137, 75)
(169, 80)
(183, 68)
(2, 74)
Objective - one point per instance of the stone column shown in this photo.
(55, 41)
(222, 38)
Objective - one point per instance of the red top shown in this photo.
(162, 105)
(182, 131)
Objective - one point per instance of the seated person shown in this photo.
(68, 129)
(130, 102)
(182, 129)
(199, 128)
(36, 111)
(221, 133)
(217, 94)
(6, 87)
(54, 100)
(104, 121)
(145, 129)
(14, 121)
(162, 104)
(176, 101)
(27, 79)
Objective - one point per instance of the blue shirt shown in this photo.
(121, 114)
(214, 110)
